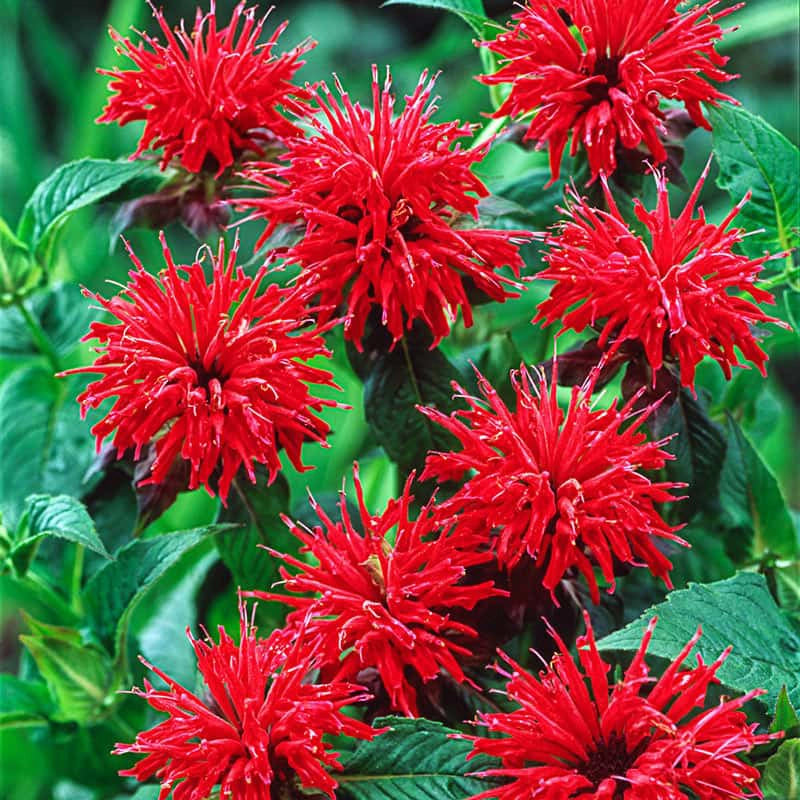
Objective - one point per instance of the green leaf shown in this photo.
(750, 497)
(61, 516)
(786, 718)
(397, 382)
(62, 313)
(753, 156)
(43, 437)
(416, 760)
(19, 272)
(114, 591)
(781, 776)
(23, 703)
(738, 611)
(259, 507)
(471, 11)
(80, 675)
(71, 187)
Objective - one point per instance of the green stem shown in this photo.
(791, 273)
(490, 130)
(40, 338)
(76, 579)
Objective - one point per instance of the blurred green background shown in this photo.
(49, 98)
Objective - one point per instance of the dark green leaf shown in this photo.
(471, 11)
(415, 760)
(113, 592)
(23, 703)
(781, 777)
(258, 507)
(63, 314)
(43, 437)
(398, 381)
(750, 498)
(80, 675)
(738, 611)
(753, 156)
(71, 187)
(786, 718)
(19, 272)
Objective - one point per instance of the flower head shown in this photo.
(212, 371)
(564, 487)
(577, 735)
(384, 199)
(384, 605)
(209, 95)
(672, 295)
(259, 724)
(596, 70)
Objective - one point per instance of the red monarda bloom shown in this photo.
(577, 735)
(672, 295)
(258, 725)
(209, 95)
(385, 201)
(383, 605)
(210, 371)
(565, 488)
(599, 75)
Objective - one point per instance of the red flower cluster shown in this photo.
(260, 725)
(595, 70)
(577, 735)
(207, 370)
(566, 488)
(385, 200)
(672, 296)
(382, 605)
(209, 95)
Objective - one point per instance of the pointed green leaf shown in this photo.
(786, 718)
(471, 11)
(23, 703)
(415, 760)
(753, 156)
(738, 611)
(19, 272)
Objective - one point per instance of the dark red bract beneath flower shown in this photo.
(259, 723)
(600, 81)
(676, 295)
(382, 604)
(576, 735)
(565, 487)
(209, 95)
(211, 372)
(388, 202)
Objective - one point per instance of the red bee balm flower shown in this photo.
(576, 735)
(672, 296)
(208, 95)
(382, 605)
(259, 726)
(566, 488)
(381, 197)
(208, 370)
(600, 78)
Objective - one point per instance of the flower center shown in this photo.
(205, 376)
(608, 67)
(610, 758)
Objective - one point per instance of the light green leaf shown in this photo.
(71, 187)
(23, 703)
(416, 760)
(115, 590)
(471, 11)
(43, 437)
(738, 611)
(781, 777)
(753, 156)
(19, 272)
(785, 718)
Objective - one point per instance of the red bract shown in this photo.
(566, 488)
(384, 199)
(644, 738)
(209, 371)
(259, 724)
(601, 81)
(207, 95)
(672, 295)
(382, 605)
